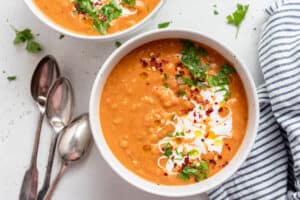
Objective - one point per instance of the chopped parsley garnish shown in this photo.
(221, 79)
(179, 134)
(166, 85)
(11, 78)
(164, 25)
(181, 92)
(168, 150)
(118, 44)
(237, 17)
(169, 135)
(166, 76)
(199, 172)
(129, 2)
(191, 60)
(101, 17)
(26, 36)
(216, 12)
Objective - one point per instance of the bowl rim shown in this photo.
(131, 177)
(121, 34)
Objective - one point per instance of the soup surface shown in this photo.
(174, 112)
(94, 17)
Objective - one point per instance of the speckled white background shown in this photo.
(80, 60)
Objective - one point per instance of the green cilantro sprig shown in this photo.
(163, 25)
(102, 17)
(237, 17)
(221, 79)
(199, 172)
(25, 36)
(191, 60)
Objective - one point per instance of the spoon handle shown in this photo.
(30, 180)
(61, 172)
(47, 178)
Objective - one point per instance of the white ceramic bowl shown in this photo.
(40, 15)
(129, 176)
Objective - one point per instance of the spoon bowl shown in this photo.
(74, 142)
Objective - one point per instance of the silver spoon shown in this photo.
(73, 144)
(60, 104)
(43, 77)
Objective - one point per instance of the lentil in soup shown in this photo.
(174, 112)
(94, 17)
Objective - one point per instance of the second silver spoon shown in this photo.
(60, 104)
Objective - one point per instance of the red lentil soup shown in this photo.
(96, 17)
(174, 112)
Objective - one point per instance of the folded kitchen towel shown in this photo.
(272, 170)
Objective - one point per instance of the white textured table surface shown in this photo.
(80, 60)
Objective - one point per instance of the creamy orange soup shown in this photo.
(174, 112)
(94, 17)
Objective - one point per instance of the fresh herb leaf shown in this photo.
(166, 85)
(164, 25)
(33, 46)
(118, 44)
(61, 36)
(203, 166)
(23, 36)
(129, 2)
(216, 12)
(166, 76)
(181, 92)
(26, 36)
(237, 17)
(169, 135)
(184, 176)
(11, 78)
(221, 79)
(168, 150)
(191, 60)
(101, 18)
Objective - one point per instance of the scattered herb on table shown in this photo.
(100, 16)
(11, 78)
(216, 12)
(129, 2)
(164, 24)
(26, 36)
(237, 17)
(61, 36)
(118, 44)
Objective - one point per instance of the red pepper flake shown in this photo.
(164, 61)
(220, 109)
(213, 162)
(210, 110)
(175, 165)
(220, 157)
(166, 174)
(147, 83)
(172, 157)
(144, 62)
(186, 160)
(206, 101)
(103, 18)
(195, 121)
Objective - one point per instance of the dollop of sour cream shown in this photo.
(201, 131)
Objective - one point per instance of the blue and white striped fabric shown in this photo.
(272, 170)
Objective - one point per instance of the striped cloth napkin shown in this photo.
(272, 170)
